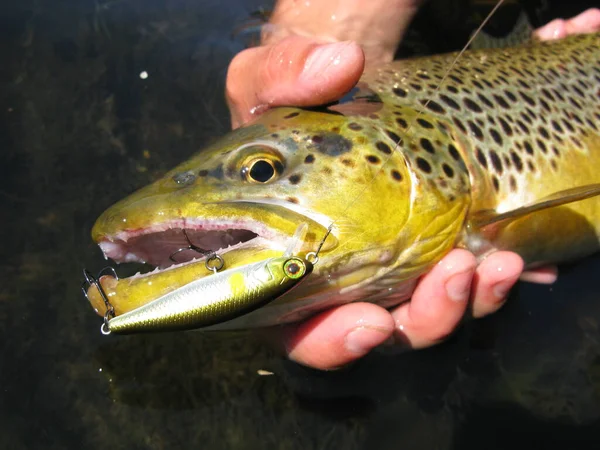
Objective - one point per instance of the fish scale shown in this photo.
(497, 151)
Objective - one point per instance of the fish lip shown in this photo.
(124, 247)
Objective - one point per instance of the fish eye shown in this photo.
(260, 171)
(294, 268)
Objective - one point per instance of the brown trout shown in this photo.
(501, 152)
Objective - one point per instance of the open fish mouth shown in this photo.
(179, 242)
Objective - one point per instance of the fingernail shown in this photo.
(502, 288)
(323, 57)
(363, 339)
(459, 286)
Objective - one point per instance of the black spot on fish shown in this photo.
(290, 115)
(475, 130)
(396, 175)
(459, 124)
(400, 121)
(527, 98)
(394, 137)
(202, 173)
(481, 158)
(274, 135)
(496, 183)
(399, 92)
(512, 97)
(448, 170)
(528, 147)
(332, 144)
(383, 147)
(427, 145)
(485, 100)
(295, 178)
(541, 145)
(424, 123)
(524, 128)
(500, 100)
(423, 165)
(348, 162)
(505, 126)
(448, 101)
(496, 162)
(496, 136)
(217, 172)
(355, 126)
(433, 106)
(470, 104)
(454, 152)
(456, 79)
(516, 159)
(309, 159)
(373, 159)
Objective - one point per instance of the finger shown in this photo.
(296, 71)
(438, 303)
(494, 278)
(586, 22)
(337, 337)
(541, 275)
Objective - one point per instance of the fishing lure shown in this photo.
(214, 299)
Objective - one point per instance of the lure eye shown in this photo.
(294, 268)
(260, 171)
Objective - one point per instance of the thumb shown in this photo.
(296, 71)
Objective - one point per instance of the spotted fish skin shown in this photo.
(526, 122)
(402, 166)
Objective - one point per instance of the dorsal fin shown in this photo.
(487, 217)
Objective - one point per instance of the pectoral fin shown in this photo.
(487, 217)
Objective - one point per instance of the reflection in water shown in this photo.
(81, 128)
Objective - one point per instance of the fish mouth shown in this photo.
(179, 242)
(181, 248)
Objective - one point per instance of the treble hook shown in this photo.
(92, 280)
(210, 255)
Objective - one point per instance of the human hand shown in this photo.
(301, 71)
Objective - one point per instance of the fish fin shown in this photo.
(521, 33)
(488, 217)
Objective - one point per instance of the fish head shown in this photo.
(245, 196)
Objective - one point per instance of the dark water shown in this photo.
(80, 129)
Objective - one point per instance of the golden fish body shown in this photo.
(501, 152)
